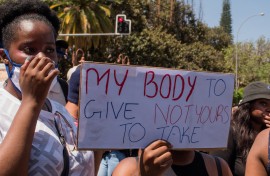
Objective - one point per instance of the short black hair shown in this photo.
(14, 11)
(61, 44)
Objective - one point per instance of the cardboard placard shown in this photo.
(129, 107)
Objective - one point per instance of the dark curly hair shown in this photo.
(12, 12)
(243, 130)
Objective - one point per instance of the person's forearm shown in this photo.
(16, 146)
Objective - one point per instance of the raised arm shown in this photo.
(15, 148)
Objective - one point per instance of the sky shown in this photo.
(247, 24)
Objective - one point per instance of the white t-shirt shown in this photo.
(56, 94)
(47, 152)
(70, 71)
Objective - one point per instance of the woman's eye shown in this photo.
(28, 50)
(263, 104)
(50, 50)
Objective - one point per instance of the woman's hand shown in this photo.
(36, 76)
(156, 158)
(267, 120)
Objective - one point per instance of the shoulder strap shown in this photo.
(210, 161)
(219, 169)
(65, 152)
(65, 171)
(48, 105)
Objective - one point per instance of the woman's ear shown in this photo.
(3, 56)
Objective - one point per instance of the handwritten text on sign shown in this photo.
(129, 107)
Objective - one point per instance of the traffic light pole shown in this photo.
(122, 27)
(90, 34)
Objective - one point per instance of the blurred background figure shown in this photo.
(61, 49)
(64, 57)
(73, 94)
(122, 59)
(77, 58)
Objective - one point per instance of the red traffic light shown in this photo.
(122, 25)
(120, 19)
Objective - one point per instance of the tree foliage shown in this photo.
(226, 18)
(186, 43)
(153, 47)
(87, 16)
(253, 61)
(217, 38)
(185, 26)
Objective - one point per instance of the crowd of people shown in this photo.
(39, 113)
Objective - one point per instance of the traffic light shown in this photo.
(122, 25)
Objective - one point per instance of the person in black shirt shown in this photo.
(158, 159)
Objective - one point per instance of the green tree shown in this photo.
(201, 47)
(84, 16)
(190, 30)
(185, 26)
(253, 61)
(226, 18)
(202, 57)
(156, 47)
(153, 47)
(136, 10)
(217, 38)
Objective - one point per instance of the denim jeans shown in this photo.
(109, 162)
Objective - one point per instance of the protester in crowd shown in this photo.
(258, 161)
(61, 49)
(37, 135)
(122, 59)
(73, 94)
(77, 58)
(234, 109)
(160, 160)
(251, 117)
(59, 88)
